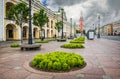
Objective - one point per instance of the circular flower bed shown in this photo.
(58, 61)
(72, 45)
(77, 41)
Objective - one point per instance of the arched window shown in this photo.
(8, 6)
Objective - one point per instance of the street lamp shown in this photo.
(30, 25)
(74, 29)
(62, 22)
(71, 28)
(98, 27)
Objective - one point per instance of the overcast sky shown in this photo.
(109, 10)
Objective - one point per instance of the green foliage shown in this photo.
(40, 41)
(65, 67)
(72, 45)
(58, 61)
(14, 45)
(78, 40)
(57, 66)
(50, 65)
(19, 13)
(77, 31)
(58, 26)
(40, 18)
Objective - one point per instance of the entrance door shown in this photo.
(10, 33)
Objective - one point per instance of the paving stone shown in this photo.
(102, 60)
(1, 65)
(106, 77)
(38, 76)
(116, 77)
(112, 72)
(15, 74)
(2, 70)
(17, 68)
(80, 75)
(66, 77)
(92, 76)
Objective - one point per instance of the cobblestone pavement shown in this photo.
(102, 57)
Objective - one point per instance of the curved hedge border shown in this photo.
(58, 61)
(72, 45)
(14, 45)
(72, 41)
(78, 40)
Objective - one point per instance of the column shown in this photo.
(2, 29)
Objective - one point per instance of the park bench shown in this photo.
(30, 46)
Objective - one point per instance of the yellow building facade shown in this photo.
(10, 31)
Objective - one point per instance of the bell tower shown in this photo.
(81, 24)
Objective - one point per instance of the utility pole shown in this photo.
(98, 27)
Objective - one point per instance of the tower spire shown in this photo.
(81, 25)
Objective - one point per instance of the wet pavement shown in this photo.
(102, 57)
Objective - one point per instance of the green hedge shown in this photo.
(72, 45)
(72, 41)
(14, 45)
(40, 41)
(57, 61)
(78, 40)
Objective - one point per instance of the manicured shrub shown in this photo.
(41, 41)
(57, 61)
(15, 45)
(72, 41)
(57, 66)
(78, 40)
(72, 45)
(65, 67)
(50, 65)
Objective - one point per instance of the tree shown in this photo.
(19, 14)
(77, 31)
(40, 19)
(84, 32)
(58, 26)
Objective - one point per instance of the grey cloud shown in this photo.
(66, 2)
(114, 4)
(109, 12)
(108, 15)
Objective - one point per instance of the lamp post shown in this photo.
(62, 22)
(74, 30)
(30, 25)
(71, 28)
(98, 27)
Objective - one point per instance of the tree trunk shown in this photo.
(21, 33)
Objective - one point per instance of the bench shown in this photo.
(30, 46)
(61, 40)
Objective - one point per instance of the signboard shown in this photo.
(91, 35)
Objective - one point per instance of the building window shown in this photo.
(8, 6)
